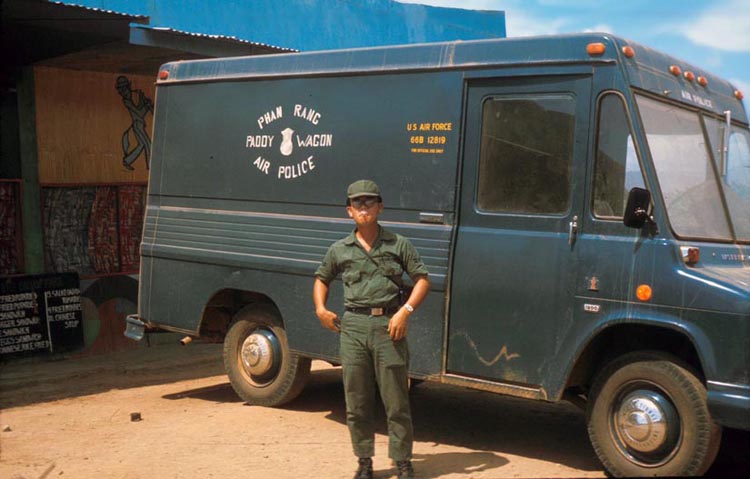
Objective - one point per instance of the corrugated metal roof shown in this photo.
(227, 38)
(99, 10)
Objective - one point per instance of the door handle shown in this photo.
(572, 230)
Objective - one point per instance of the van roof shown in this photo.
(649, 69)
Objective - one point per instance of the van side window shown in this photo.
(616, 169)
(526, 154)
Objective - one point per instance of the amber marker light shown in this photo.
(643, 292)
(628, 52)
(675, 70)
(702, 81)
(595, 49)
(690, 255)
(163, 75)
(738, 95)
(689, 76)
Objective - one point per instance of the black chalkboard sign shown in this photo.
(40, 314)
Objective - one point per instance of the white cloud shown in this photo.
(725, 27)
(465, 4)
(569, 4)
(602, 27)
(519, 23)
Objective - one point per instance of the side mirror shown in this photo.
(636, 210)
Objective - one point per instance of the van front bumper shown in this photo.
(729, 404)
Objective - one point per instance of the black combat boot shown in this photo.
(364, 471)
(405, 471)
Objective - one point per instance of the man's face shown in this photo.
(364, 210)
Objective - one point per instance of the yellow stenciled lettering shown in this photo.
(442, 126)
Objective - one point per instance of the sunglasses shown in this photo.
(367, 202)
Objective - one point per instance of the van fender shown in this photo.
(643, 328)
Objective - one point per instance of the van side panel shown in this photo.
(313, 136)
(252, 193)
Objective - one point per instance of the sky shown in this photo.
(710, 34)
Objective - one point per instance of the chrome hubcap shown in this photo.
(258, 355)
(647, 426)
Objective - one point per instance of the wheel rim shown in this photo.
(259, 357)
(645, 425)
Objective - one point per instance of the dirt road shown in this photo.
(73, 419)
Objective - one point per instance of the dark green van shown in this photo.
(582, 203)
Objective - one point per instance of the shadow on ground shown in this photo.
(492, 425)
(38, 380)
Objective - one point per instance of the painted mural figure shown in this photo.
(138, 106)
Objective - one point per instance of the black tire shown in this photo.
(288, 372)
(641, 387)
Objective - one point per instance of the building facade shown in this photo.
(77, 113)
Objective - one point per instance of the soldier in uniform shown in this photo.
(374, 353)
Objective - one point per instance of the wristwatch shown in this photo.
(409, 307)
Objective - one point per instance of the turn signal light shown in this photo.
(738, 95)
(675, 70)
(643, 292)
(628, 52)
(163, 75)
(702, 81)
(689, 76)
(595, 49)
(690, 254)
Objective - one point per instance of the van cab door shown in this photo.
(514, 270)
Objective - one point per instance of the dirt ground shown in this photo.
(72, 418)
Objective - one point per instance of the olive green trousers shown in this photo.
(372, 361)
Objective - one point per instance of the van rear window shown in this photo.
(526, 154)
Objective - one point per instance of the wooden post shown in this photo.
(32, 211)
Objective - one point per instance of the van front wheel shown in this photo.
(648, 417)
(257, 359)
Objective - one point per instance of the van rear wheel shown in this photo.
(648, 416)
(261, 368)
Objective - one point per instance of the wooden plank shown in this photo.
(85, 127)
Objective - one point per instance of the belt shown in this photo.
(374, 311)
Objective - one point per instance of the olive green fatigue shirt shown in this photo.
(365, 284)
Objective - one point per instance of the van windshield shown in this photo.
(694, 184)
(734, 171)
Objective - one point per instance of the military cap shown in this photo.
(362, 188)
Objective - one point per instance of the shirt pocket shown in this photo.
(391, 267)
(351, 276)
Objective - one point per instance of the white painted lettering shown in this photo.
(262, 164)
(290, 172)
(316, 140)
(307, 113)
(270, 116)
(259, 141)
